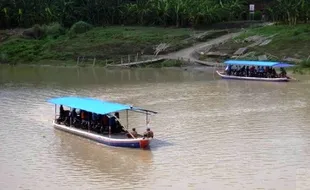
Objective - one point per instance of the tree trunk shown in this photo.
(288, 17)
(177, 20)
(141, 19)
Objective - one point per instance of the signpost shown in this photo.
(252, 10)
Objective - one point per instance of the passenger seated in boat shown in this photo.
(261, 71)
(95, 124)
(133, 133)
(274, 73)
(112, 124)
(94, 118)
(247, 70)
(66, 121)
(240, 71)
(283, 73)
(148, 133)
(105, 120)
(73, 116)
(252, 71)
(84, 119)
(269, 72)
(233, 70)
(61, 117)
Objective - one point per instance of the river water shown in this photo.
(209, 133)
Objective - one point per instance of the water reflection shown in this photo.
(72, 76)
(80, 151)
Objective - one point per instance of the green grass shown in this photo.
(109, 43)
(289, 41)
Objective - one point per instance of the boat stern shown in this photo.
(144, 143)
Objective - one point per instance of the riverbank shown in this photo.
(273, 42)
(99, 45)
(178, 47)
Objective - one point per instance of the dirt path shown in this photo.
(192, 53)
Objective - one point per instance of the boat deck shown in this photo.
(122, 135)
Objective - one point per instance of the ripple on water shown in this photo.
(209, 135)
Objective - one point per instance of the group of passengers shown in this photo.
(148, 133)
(103, 124)
(252, 71)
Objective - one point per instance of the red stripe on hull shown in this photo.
(144, 143)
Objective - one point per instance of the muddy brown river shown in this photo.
(209, 133)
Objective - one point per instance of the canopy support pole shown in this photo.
(70, 118)
(109, 131)
(127, 119)
(146, 118)
(89, 119)
(55, 111)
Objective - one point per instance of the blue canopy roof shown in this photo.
(258, 63)
(94, 105)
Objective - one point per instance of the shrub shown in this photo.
(54, 30)
(3, 58)
(36, 32)
(79, 28)
(305, 64)
(258, 15)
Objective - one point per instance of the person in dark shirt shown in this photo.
(73, 116)
(62, 114)
(148, 133)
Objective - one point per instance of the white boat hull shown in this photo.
(105, 139)
(252, 78)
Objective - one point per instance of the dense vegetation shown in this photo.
(22, 13)
(67, 29)
(289, 11)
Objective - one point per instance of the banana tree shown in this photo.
(304, 10)
(162, 13)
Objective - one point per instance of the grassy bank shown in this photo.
(288, 43)
(107, 44)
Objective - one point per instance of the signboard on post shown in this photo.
(252, 7)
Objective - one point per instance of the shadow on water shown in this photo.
(78, 152)
(157, 144)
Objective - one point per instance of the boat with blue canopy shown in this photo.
(99, 121)
(255, 70)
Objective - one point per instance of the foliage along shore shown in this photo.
(53, 44)
(58, 34)
(179, 13)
